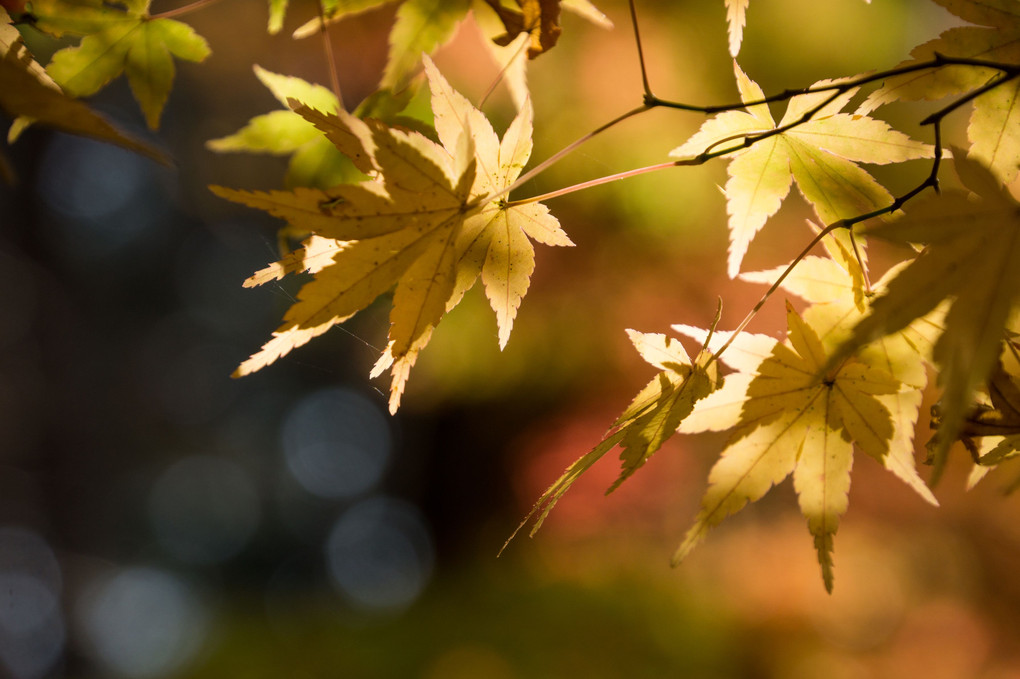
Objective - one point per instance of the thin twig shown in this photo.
(840, 87)
(931, 181)
(860, 262)
(502, 74)
(1006, 76)
(186, 9)
(775, 286)
(327, 46)
(640, 52)
(559, 155)
(597, 182)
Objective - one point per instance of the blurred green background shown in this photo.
(158, 519)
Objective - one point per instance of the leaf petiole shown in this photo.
(184, 9)
(597, 182)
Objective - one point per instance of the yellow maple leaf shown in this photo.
(788, 417)
(651, 418)
(431, 222)
(994, 129)
(972, 259)
(820, 155)
(831, 286)
(736, 17)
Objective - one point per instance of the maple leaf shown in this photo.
(820, 155)
(496, 243)
(431, 223)
(512, 58)
(333, 11)
(736, 11)
(971, 258)
(649, 421)
(834, 287)
(421, 26)
(994, 129)
(119, 41)
(27, 93)
(788, 417)
(314, 161)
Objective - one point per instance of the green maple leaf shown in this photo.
(335, 10)
(128, 41)
(314, 160)
(421, 27)
(431, 223)
(788, 417)
(972, 259)
(649, 421)
(27, 93)
(820, 155)
(76, 17)
(994, 129)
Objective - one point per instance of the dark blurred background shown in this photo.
(159, 519)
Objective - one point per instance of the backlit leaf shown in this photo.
(971, 259)
(831, 289)
(649, 421)
(794, 420)
(421, 27)
(431, 223)
(736, 11)
(819, 155)
(129, 42)
(27, 93)
(994, 130)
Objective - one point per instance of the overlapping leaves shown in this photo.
(421, 26)
(818, 149)
(118, 38)
(834, 286)
(651, 418)
(972, 259)
(314, 160)
(431, 223)
(788, 417)
(28, 93)
(994, 130)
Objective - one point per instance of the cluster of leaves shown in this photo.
(391, 197)
(850, 374)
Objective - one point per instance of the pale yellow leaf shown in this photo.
(736, 19)
(430, 220)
